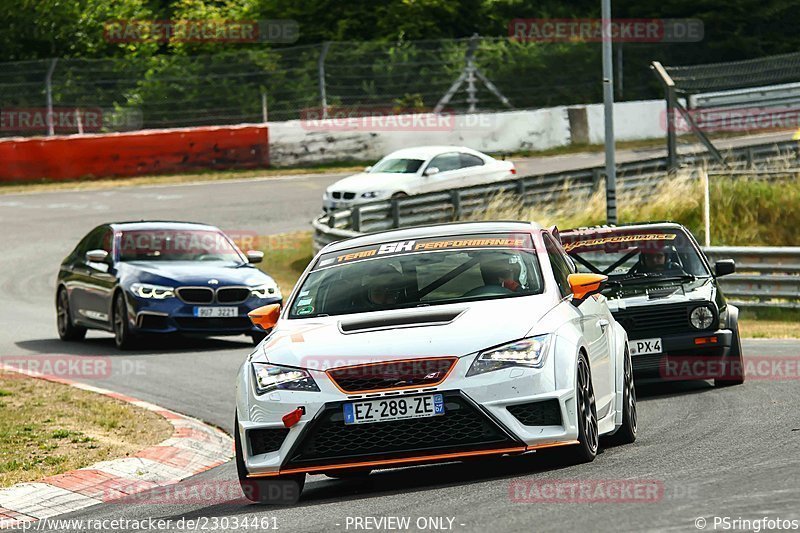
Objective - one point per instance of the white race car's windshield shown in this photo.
(631, 255)
(176, 245)
(417, 273)
(397, 166)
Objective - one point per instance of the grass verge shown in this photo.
(48, 428)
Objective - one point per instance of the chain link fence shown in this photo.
(257, 84)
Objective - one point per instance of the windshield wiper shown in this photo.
(634, 279)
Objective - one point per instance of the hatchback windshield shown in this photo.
(397, 166)
(631, 255)
(176, 245)
(418, 273)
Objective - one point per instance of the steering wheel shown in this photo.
(487, 290)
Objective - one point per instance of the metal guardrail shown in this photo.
(765, 276)
(460, 203)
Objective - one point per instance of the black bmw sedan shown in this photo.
(135, 278)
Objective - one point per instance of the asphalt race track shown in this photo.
(730, 452)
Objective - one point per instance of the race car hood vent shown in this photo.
(404, 320)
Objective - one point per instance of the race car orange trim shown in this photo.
(412, 460)
(369, 391)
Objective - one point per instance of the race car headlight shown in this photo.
(156, 292)
(371, 194)
(528, 352)
(701, 317)
(273, 377)
(265, 291)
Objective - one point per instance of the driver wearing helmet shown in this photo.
(386, 287)
(500, 271)
(656, 259)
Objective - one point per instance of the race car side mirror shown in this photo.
(584, 285)
(265, 317)
(254, 256)
(724, 267)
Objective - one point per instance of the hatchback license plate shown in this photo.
(387, 409)
(645, 346)
(216, 312)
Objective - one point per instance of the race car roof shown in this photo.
(438, 230)
(142, 225)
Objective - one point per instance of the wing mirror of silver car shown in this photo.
(96, 256)
(431, 171)
(367, 169)
(254, 256)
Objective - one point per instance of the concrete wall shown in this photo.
(316, 141)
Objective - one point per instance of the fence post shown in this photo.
(455, 198)
(395, 212)
(355, 219)
(521, 190)
(264, 115)
(48, 87)
(323, 98)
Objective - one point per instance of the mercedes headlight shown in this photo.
(265, 291)
(701, 317)
(528, 352)
(271, 377)
(156, 292)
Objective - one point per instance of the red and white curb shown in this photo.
(194, 447)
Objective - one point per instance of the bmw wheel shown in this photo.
(67, 331)
(124, 338)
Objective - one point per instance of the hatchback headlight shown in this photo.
(371, 194)
(156, 292)
(701, 317)
(274, 377)
(266, 291)
(528, 352)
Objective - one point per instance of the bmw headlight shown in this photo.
(156, 292)
(701, 317)
(266, 291)
(371, 194)
(528, 352)
(271, 377)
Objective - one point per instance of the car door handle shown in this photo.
(603, 324)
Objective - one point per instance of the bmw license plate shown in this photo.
(645, 346)
(216, 312)
(393, 409)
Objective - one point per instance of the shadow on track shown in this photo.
(149, 345)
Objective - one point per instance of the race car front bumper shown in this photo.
(508, 411)
(686, 356)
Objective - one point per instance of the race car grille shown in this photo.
(228, 323)
(336, 195)
(232, 295)
(328, 440)
(266, 440)
(195, 295)
(668, 318)
(546, 413)
(348, 195)
(409, 373)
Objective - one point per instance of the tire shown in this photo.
(735, 360)
(67, 331)
(350, 474)
(588, 436)
(277, 490)
(398, 195)
(124, 338)
(626, 433)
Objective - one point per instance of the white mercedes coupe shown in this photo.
(431, 344)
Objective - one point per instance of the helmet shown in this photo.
(385, 286)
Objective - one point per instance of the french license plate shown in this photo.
(393, 409)
(645, 346)
(215, 312)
